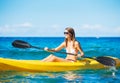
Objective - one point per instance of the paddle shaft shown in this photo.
(59, 52)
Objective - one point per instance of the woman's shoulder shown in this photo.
(77, 42)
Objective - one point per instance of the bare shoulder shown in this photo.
(77, 43)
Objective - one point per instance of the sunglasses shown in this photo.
(66, 32)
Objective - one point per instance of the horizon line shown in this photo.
(60, 36)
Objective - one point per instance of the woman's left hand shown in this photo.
(80, 55)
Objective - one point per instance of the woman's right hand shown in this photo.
(49, 50)
(46, 48)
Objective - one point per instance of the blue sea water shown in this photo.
(92, 47)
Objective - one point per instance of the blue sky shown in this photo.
(41, 18)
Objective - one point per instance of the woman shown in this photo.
(71, 45)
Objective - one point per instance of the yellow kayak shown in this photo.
(38, 66)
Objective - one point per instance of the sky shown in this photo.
(49, 18)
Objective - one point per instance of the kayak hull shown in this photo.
(38, 66)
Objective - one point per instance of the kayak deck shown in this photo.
(38, 66)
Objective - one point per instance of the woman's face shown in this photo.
(67, 34)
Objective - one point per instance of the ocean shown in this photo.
(92, 47)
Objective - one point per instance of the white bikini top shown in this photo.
(71, 51)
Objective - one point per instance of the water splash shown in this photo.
(113, 70)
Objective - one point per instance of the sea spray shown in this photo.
(113, 70)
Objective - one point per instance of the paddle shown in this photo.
(101, 59)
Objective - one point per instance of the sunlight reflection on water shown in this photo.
(85, 76)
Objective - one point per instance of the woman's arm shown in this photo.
(62, 45)
(79, 49)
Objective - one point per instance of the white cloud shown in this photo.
(27, 24)
(27, 29)
(15, 29)
(97, 30)
(88, 26)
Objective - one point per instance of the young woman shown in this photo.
(71, 45)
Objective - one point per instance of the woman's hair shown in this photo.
(72, 35)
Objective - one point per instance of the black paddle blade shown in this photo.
(106, 61)
(21, 44)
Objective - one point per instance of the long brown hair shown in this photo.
(72, 35)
